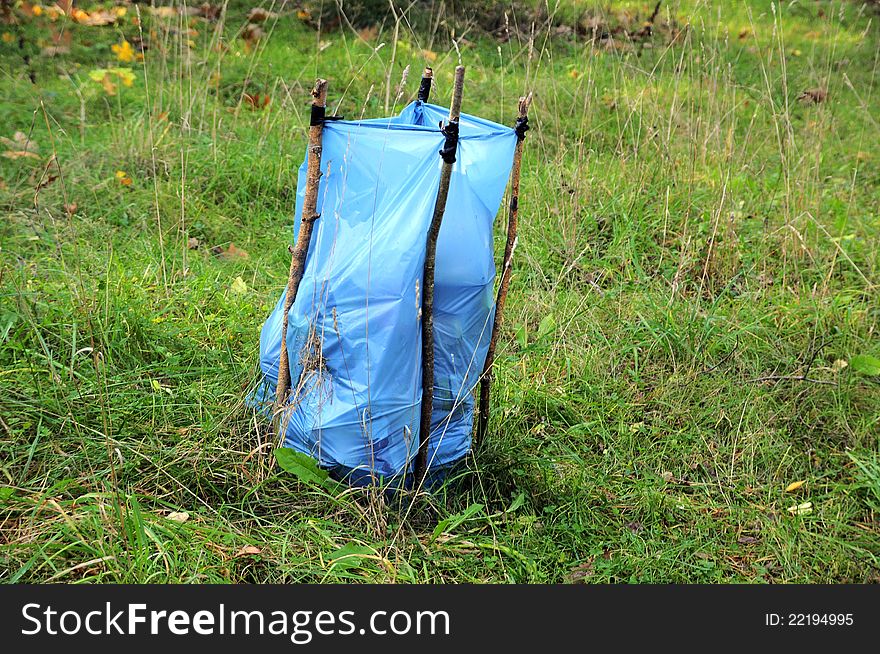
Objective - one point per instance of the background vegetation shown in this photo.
(688, 386)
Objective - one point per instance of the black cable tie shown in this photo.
(319, 116)
(450, 131)
(521, 127)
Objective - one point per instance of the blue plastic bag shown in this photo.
(354, 333)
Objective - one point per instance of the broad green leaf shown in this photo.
(522, 336)
(304, 468)
(350, 555)
(454, 521)
(547, 325)
(866, 364)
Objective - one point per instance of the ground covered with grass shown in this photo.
(687, 389)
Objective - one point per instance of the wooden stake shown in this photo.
(486, 380)
(301, 250)
(428, 278)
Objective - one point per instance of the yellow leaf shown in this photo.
(121, 11)
(37, 10)
(121, 174)
(573, 74)
(8, 38)
(801, 509)
(793, 486)
(125, 75)
(239, 286)
(124, 52)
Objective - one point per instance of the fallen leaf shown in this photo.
(123, 51)
(747, 540)
(259, 15)
(193, 243)
(801, 509)
(251, 34)
(231, 252)
(19, 154)
(581, 572)
(48, 179)
(248, 550)
(814, 96)
(369, 33)
(178, 516)
(238, 286)
(20, 141)
(793, 486)
(94, 19)
(257, 100)
(164, 12)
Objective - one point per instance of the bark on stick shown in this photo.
(512, 215)
(428, 287)
(301, 249)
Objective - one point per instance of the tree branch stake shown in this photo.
(301, 250)
(448, 154)
(513, 212)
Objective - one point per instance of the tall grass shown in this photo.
(695, 280)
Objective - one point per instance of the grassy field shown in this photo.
(687, 389)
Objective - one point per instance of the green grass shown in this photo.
(697, 261)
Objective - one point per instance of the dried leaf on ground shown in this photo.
(231, 252)
(20, 142)
(813, 96)
(248, 550)
(581, 572)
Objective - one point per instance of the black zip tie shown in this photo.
(521, 126)
(319, 116)
(450, 131)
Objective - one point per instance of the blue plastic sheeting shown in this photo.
(354, 333)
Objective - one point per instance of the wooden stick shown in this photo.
(425, 86)
(513, 212)
(301, 250)
(428, 276)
